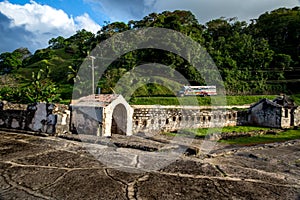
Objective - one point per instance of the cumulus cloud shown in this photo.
(32, 25)
(85, 22)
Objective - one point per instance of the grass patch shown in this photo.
(66, 102)
(154, 101)
(261, 139)
(242, 100)
(242, 141)
(296, 98)
(202, 132)
(199, 101)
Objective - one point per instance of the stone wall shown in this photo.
(242, 118)
(154, 119)
(86, 120)
(38, 117)
(4, 105)
(296, 117)
(63, 114)
(56, 118)
(286, 114)
(265, 115)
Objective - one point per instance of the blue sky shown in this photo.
(32, 23)
(72, 8)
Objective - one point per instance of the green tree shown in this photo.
(57, 43)
(42, 89)
(281, 27)
(84, 40)
(244, 61)
(10, 61)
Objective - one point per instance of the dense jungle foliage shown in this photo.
(261, 57)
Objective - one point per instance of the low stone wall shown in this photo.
(297, 117)
(4, 105)
(63, 114)
(38, 117)
(154, 119)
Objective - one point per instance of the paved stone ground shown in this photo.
(34, 167)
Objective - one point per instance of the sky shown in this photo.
(32, 23)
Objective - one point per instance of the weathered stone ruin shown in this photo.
(155, 119)
(278, 113)
(37, 117)
(101, 115)
(108, 114)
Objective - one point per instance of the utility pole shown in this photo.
(93, 74)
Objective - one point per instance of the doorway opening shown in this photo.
(119, 120)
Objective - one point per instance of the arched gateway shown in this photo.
(119, 120)
(101, 115)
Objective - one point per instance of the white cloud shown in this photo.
(84, 21)
(43, 22)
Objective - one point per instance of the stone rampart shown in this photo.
(37, 117)
(147, 119)
(153, 119)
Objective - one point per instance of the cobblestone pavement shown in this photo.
(34, 167)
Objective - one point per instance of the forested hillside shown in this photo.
(257, 58)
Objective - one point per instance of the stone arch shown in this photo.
(117, 118)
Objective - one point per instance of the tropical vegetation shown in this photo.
(261, 57)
